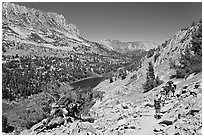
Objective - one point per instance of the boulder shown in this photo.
(170, 131)
(87, 126)
(56, 122)
(130, 132)
(166, 122)
(37, 126)
(125, 106)
(26, 132)
(184, 91)
(119, 106)
(192, 111)
(199, 132)
(122, 122)
(149, 105)
(167, 107)
(158, 128)
(74, 131)
(196, 86)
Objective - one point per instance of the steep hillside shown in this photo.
(125, 47)
(172, 54)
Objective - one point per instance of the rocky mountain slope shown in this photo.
(125, 47)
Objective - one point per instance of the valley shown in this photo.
(57, 82)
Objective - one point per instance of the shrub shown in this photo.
(172, 64)
(98, 94)
(150, 53)
(193, 24)
(185, 28)
(4, 123)
(180, 73)
(172, 76)
(134, 76)
(148, 85)
(164, 44)
(31, 117)
(123, 76)
(158, 81)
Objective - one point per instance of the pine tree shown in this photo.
(197, 41)
(193, 24)
(150, 79)
(150, 71)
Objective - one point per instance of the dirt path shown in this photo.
(147, 123)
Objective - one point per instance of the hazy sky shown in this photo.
(135, 21)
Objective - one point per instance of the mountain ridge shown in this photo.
(125, 47)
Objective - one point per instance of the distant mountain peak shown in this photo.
(125, 47)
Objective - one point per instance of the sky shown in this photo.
(125, 21)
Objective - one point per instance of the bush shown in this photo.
(85, 98)
(148, 85)
(31, 117)
(150, 53)
(172, 64)
(164, 44)
(180, 73)
(134, 76)
(172, 76)
(185, 28)
(158, 81)
(193, 24)
(98, 95)
(4, 123)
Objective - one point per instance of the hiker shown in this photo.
(157, 106)
(167, 90)
(76, 110)
(111, 79)
(115, 77)
(54, 108)
(171, 87)
(162, 96)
